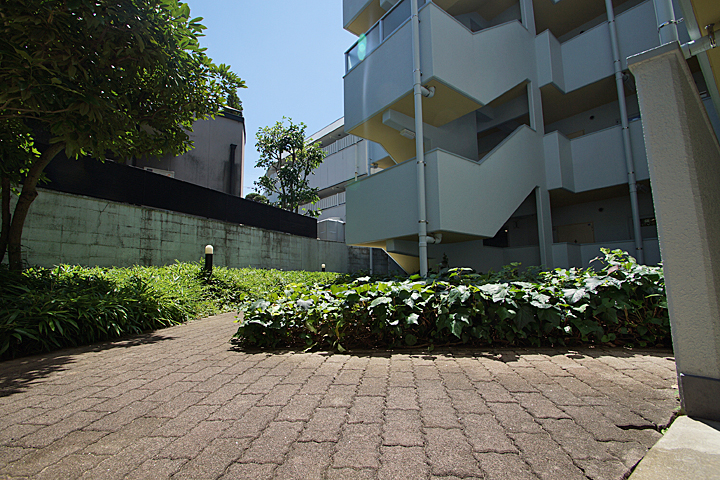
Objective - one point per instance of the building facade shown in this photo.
(217, 158)
(533, 143)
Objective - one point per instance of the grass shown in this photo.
(46, 309)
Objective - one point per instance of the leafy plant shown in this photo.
(622, 303)
(46, 309)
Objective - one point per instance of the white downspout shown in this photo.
(419, 136)
(667, 25)
(632, 184)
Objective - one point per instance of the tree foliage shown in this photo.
(289, 160)
(256, 197)
(92, 77)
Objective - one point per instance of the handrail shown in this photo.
(381, 33)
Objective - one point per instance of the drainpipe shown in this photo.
(231, 179)
(419, 136)
(632, 184)
(667, 25)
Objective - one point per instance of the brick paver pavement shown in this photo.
(182, 403)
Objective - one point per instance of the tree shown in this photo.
(288, 160)
(256, 197)
(92, 77)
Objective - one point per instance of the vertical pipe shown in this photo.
(632, 184)
(231, 176)
(665, 16)
(371, 260)
(419, 136)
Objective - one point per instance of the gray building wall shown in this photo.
(209, 163)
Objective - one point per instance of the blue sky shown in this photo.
(290, 54)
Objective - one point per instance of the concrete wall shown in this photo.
(208, 163)
(64, 228)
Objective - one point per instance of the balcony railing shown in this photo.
(369, 41)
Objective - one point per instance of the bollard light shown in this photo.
(322, 267)
(208, 258)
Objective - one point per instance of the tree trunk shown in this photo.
(5, 230)
(27, 196)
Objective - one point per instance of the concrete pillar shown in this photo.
(684, 158)
(527, 13)
(544, 219)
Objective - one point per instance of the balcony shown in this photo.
(380, 72)
(587, 58)
(466, 199)
(593, 161)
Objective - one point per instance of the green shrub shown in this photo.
(622, 303)
(46, 309)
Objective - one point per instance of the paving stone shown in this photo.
(439, 414)
(630, 453)
(486, 435)
(35, 461)
(402, 398)
(348, 377)
(403, 463)
(456, 381)
(504, 466)
(236, 408)
(366, 410)
(494, 392)
(403, 428)
(401, 379)
(249, 471)
(450, 453)
(599, 426)
(189, 445)
(339, 396)
(468, 401)
(602, 470)
(559, 395)
(71, 466)
(539, 406)
(575, 440)
(431, 390)
(301, 407)
(127, 460)
(325, 425)
(192, 407)
(113, 443)
(375, 386)
(156, 468)
(306, 460)
(273, 443)
(358, 447)
(351, 474)
(47, 435)
(513, 418)
(279, 396)
(545, 457)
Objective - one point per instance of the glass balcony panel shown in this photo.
(396, 17)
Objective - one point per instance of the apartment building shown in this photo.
(532, 137)
(348, 158)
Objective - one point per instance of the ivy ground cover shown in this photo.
(615, 302)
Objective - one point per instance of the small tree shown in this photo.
(98, 76)
(256, 197)
(288, 160)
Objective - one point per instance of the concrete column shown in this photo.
(528, 15)
(544, 219)
(542, 196)
(684, 158)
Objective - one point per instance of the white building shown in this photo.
(524, 139)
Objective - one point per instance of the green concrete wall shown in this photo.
(64, 228)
